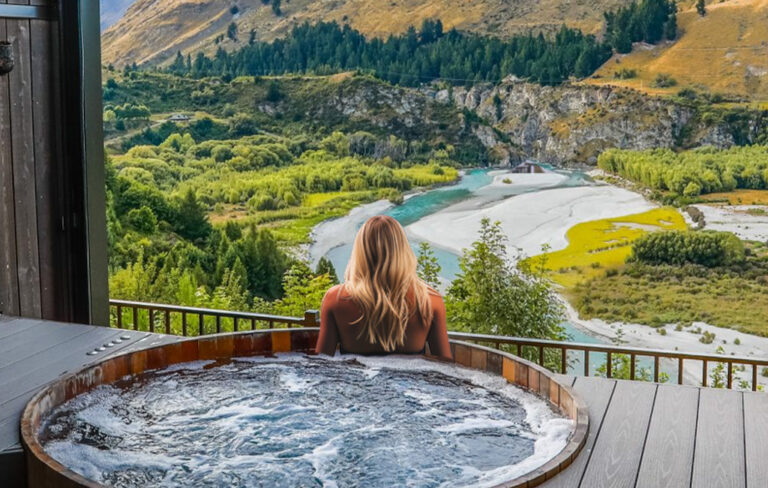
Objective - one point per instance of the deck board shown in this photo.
(597, 393)
(616, 456)
(668, 453)
(719, 459)
(33, 353)
(756, 438)
(9, 327)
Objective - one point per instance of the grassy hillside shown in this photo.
(721, 52)
(167, 26)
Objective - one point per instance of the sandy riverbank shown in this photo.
(685, 340)
(530, 220)
(336, 232)
(748, 222)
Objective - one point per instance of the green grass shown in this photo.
(597, 246)
(600, 284)
(660, 295)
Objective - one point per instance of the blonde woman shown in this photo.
(383, 307)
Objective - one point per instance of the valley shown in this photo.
(239, 173)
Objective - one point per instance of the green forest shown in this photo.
(267, 194)
(429, 53)
(691, 173)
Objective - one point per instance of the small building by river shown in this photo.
(528, 167)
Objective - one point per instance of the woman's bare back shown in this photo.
(338, 326)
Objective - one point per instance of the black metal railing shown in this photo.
(192, 321)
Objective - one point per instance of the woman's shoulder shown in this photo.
(333, 295)
(436, 299)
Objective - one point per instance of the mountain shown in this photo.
(112, 11)
(724, 51)
(153, 30)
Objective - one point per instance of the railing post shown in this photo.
(680, 371)
(201, 324)
(253, 324)
(218, 324)
(311, 318)
(135, 318)
(632, 367)
(730, 375)
(541, 355)
(184, 324)
(704, 373)
(754, 377)
(563, 360)
(609, 365)
(586, 362)
(119, 317)
(151, 320)
(168, 322)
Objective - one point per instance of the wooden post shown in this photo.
(311, 318)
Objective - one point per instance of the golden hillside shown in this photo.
(153, 30)
(726, 51)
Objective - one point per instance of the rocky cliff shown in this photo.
(574, 123)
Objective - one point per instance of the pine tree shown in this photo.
(273, 92)
(491, 296)
(191, 220)
(428, 266)
(623, 42)
(701, 7)
(325, 267)
(232, 31)
(670, 28)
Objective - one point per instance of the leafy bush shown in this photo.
(663, 80)
(708, 249)
(625, 74)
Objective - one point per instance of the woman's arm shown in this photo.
(438, 332)
(329, 336)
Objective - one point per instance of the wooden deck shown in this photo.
(654, 436)
(641, 434)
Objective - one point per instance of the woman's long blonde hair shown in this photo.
(381, 277)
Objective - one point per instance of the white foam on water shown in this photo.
(319, 458)
(475, 423)
(549, 432)
(552, 430)
(190, 366)
(92, 462)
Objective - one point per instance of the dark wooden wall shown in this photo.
(39, 199)
(29, 169)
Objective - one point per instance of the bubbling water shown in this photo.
(295, 421)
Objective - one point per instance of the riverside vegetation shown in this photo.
(680, 277)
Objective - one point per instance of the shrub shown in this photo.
(625, 74)
(222, 153)
(707, 337)
(143, 220)
(663, 80)
(710, 249)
